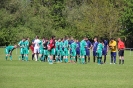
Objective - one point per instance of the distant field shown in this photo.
(21, 74)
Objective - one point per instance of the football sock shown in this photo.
(66, 60)
(104, 58)
(122, 61)
(88, 59)
(32, 56)
(85, 58)
(26, 58)
(114, 59)
(119, 61)
(10, 57)
(94, 59)
(82, 60)
(6, 57)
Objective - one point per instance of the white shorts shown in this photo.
(36, 50)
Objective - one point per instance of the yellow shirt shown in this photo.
(113, 45)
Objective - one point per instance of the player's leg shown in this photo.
(114, 55)
(122, 57)
(35, 52)
(94, 56)
(10, 55)
(7, 53)
(111, 54)
(88, 56)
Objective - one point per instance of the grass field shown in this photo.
(20, 74)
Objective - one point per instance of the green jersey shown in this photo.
(41, 44)
(10, 48)
(66, 44)
(61, 45)
(83, 44)
(57, 45)
(21, 44)
(73, 46)
(100, 47)
(26, 44)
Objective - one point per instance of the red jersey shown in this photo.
(51, 44)
(121, 45)
(32, 48)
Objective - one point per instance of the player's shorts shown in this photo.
(61, 52)
(41, 51)
(94, 53)
(45, 52)
(113, 53)
(36, 50)
(26, 51)
(87, 52)
(21, 51)
(73, 53)
(121, 52)
(57, 52)
(99, 53)
(82, 52)
(65, 52)
(104, 52)
(7, 51)
(51, 52)
(78, 52)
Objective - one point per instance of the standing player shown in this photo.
(21, 45)
(105, 49)
(94, 48)
(8, 51)
(36, 47)
(112, 45)
(88, 50)
(57, 49)
(61, 45)
(32, 49)
(41, 50)
(51, 49)
(99, 51)
(121, 47)
(26, 49)
(66, 49)
(73, 47)
(45, 44)
(77, 50)
(83, 45)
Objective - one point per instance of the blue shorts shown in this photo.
(94, 53)
(104, 52)
(113, 53)
(77, 52)
(87, 52)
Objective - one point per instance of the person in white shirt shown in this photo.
(36, 47)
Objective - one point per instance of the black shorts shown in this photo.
(121, 52)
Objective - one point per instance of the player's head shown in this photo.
(27, 38)
(65, 37)
(71, 38)
(119, 39)
(53, 37)
(59, 39)
(23, 39)
(112, 39)
(77, 40)
(37, 37)
(95, 39)
(15, 46)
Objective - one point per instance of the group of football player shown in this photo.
(66, 50)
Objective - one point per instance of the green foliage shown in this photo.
(77, 18)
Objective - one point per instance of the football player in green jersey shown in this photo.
(8, 51)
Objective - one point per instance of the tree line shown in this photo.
(77, 18)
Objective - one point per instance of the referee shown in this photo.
(121, 47)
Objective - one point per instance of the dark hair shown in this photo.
(53, 37)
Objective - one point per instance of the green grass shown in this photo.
(20, 74)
